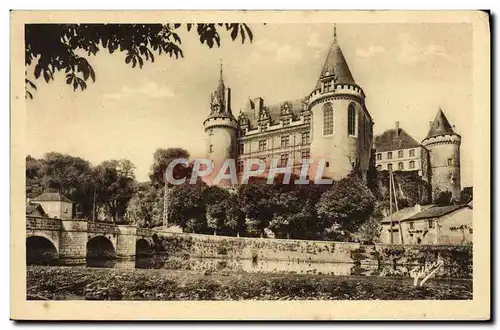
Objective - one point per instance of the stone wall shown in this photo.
(207, 246)
(73, 240)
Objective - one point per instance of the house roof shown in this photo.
(274, 111)
(393, 139)
(51, 197)
(435, 212)
(336, 63)
(404, 213)
(31, 208)
(440, 126)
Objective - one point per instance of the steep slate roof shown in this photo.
(336, 62)
(51, 197)
(389, 140)
(440, 126)
(274, 111)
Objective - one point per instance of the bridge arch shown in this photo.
(143, 248)
(100, 247)
(41, 249)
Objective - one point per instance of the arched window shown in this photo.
(401, 166)
(351, 119)
(400, 154)
(412, 164)
(327, 119)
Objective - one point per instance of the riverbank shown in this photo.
(62, 283)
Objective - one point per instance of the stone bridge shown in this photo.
(73, 240)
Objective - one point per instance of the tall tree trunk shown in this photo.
(166, 201)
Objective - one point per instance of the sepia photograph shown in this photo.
(326, 158)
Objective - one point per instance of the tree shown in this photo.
(347, 204)
(443, 198)
(115, 186)
(256, 203)
(71, 176)
(34, 177)
(465, 195)
(146, 206)
(187, 208)
(214, 200)
(235, 218)
(51, 48)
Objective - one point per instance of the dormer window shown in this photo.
(327, 85)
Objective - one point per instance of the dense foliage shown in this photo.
(51, 48)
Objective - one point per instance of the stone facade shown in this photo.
(331, 124)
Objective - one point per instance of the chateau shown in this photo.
(437, 158)
(331, 124)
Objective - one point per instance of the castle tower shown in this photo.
(342, 128)
(220, 126)
(443, 144)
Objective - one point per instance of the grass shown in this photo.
(62, 283)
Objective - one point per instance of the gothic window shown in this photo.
(379, 156)
(285, 140)
(400, 154)
(211, 148)
(401, 166)
(327, 119)
(389, 155)
(412, 164)
(305, 138)
(450, 161)
(412, 152)
(262, 145)
(389, 167)
(283, 160)
(351, 119)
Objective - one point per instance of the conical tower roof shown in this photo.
(440, 126)
(336, 65)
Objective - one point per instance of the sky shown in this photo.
(407, 71)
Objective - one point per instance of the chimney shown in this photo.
(397, 128)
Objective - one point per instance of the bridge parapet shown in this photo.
(102, 227)
(42, 223)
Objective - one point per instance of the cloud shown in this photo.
(370, 51)
(148, 89)
(314, 42)
(412, 51)
(271, 50)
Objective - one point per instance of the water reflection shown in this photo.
(261, 266)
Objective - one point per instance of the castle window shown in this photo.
(412, 152)
(389, 155)
(450, 161)
(431, 224)
(351, 120)
(412, 164)
(305, 138)
(305, 155)
(379, 167)
(262, 145)
(412, 225)
(379, 156)
(211, 148)
(327, 164)
(285, 140)
(389, 167)
(327, 119)
(327, 85)
(307, 119)
(283, 160)
(211, 132)
(286, 122)
(401, 166)
(400, 154)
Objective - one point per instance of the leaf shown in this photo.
(38, 70)
(46, 75)
(248, 32)
(92, 73)
(234, 32)
(189, 26)
(75, 84)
